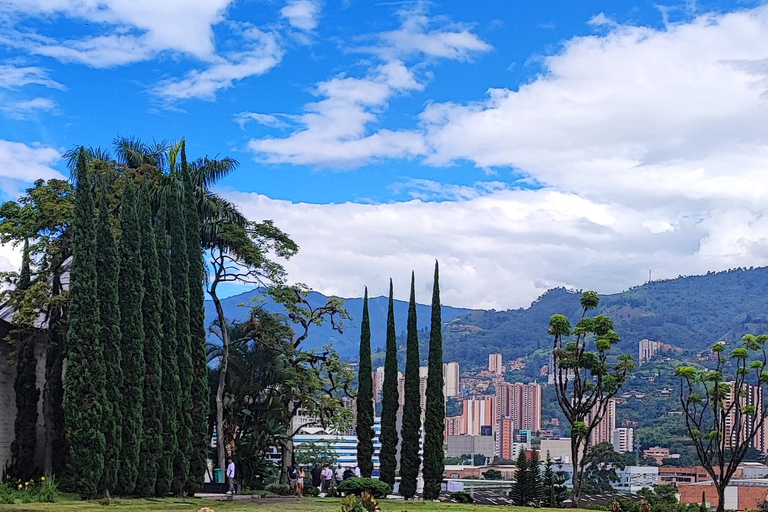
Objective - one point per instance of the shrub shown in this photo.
(313, 492)
(332, 492)
(363, 503)
(40, 491)
(7, 495)
(462, 497)
(594, 506)
(279, 489)
(358, 486)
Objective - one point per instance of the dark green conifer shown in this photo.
(171, 387)
(84, 380)
(132, 335)
(152, 435)
(180, 288)
(409, 449)
(200, 393)
(520, 492)
(108, 271)
(390, 399)
(434, 417)
(25, 384)
(364, 427)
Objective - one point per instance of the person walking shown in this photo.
(300, 483)
(339, 474)
(317, 476)
(231, 476)
(293, 478)
(327, 478)
(357, 471)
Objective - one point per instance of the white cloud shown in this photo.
(302, 14)
(651, 147)
(243, 118)
(24, 108)
(13, 77)
(261, 53)
(334, 131)
(28, 162)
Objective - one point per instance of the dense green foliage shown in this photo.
(434, 417)
(602, 461)
(199, 392)
(521, 492)
(132, 331)
(152, 435)
(108, 270)
(553, 483)
(364, 427)
(410, 432)
(170, 386)
(390, 399)
(25, 384)
(358, 486)
(180, 290)
(85, 379)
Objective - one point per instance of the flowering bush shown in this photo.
(41, 490)
(206, 509)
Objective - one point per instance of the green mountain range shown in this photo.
(688, 312)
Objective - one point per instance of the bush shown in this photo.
(331, 493)
(313, 492)
(594, 506)
(279, 489)
(358, 486)
(7, 495)
(462, 497)
(362, 503)
(40, 491)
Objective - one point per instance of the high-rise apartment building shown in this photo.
(378, 383)
(423, 371)
(519, 402)
(624, 439)
(603, 431)
(400, 390)
(753, 395)
(646, 350)
(451, 379)
(477, 413)
(495, 364)
(455, 426)
(505, 438)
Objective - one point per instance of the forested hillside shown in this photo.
(687, 312)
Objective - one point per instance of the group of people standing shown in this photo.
(324, 478)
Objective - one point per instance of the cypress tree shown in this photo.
(434, 418)
(25, 384)
(84, 380)
(409, 449)
(180, 289)
(108, 271)
(171, 387)
(132, 336)
(535, 482)
(390, 399)
(364, 428)
(152, 434)
(200, 393)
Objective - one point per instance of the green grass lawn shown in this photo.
(303, 505)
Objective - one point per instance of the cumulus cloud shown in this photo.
(13, 77)
(260, 54)
(302, 14)
(24, 108)
(650, 147)
(272, 120)
(28, 163)
(334, 131)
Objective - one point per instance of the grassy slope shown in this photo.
(304, 505)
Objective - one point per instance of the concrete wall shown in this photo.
(8, 398)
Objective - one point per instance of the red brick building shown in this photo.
(739, 495)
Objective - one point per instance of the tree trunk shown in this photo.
(575, 480)
(221, 448)
(721, 498)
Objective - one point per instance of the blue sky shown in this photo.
(523, 144)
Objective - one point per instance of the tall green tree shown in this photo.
(553, 480)
(434, 418)
(390, 401)
(200, 393)
(132, 344)
(410, 433)
(85, 378)
(108, 270)
(171, 386)
(180, 288)
(25, 383)
(723, 417)
(521, 488)
(152, 435)
(535, 481)
(364, 427)
(602, 461)
(585, 380)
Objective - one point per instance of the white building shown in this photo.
(495, 364)
(451, 379)
(646, 350)
(344, 446)
(623, 439)
(558, 449)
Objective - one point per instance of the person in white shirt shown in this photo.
(231, 476)
(339, 474)
(357, 471)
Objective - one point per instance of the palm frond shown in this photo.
(206, 171)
